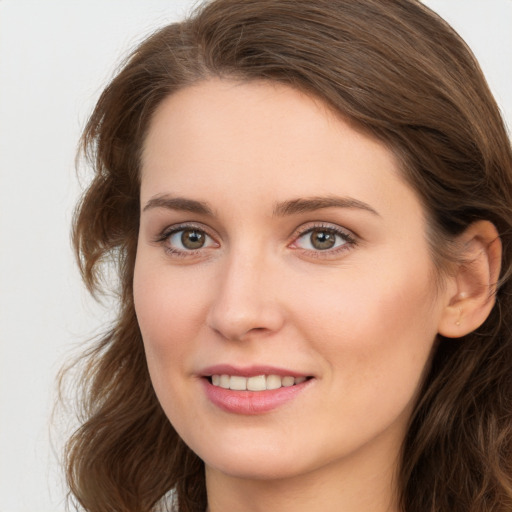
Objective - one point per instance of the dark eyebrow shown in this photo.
(178, 203)
(308, 204)
(290, 207)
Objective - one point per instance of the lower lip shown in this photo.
(252, 402)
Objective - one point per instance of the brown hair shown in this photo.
(399, 72)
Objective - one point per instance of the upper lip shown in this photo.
(250, 371)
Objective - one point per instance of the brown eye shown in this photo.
(188, 239)
(322, 239)
(192, 239)
(327, 239)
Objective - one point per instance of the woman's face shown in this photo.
(278, 245)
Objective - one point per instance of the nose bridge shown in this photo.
(244, 299)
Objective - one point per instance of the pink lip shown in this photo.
(250, 402)
(248, 371)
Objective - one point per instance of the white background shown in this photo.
(55, 56)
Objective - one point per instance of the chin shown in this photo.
(261, 467)
(252, 457)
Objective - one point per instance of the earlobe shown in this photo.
(474, 280)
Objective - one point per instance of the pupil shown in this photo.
(192, 239)
(322, 239)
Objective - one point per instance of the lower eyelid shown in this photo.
(164, 234)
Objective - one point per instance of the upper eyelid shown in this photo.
(303, 228)
(310, 226)
(174, 228)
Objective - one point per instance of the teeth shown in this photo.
(237, 383)
(273, 382)
(224, 381)
(288, 381)
(258, 383)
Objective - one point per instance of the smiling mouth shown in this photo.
(256, 383)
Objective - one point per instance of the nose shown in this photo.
(246, 299)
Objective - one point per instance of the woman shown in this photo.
(310, 207)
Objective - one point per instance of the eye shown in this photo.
(186, 239)
(322, 238)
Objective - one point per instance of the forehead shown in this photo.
(264, 141)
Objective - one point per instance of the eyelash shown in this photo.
(165, 235)
(348, 239)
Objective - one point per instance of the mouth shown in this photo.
(251, 390)
(255, 383)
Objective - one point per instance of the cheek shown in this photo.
(170, 310)
(376, 330)
(354, 301)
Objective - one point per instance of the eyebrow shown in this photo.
(282, 209)
(308, 204)
(178, 203)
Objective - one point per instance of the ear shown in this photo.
(472, 286)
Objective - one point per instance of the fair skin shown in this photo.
(232, 270)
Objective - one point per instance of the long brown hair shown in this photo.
(396, 70)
